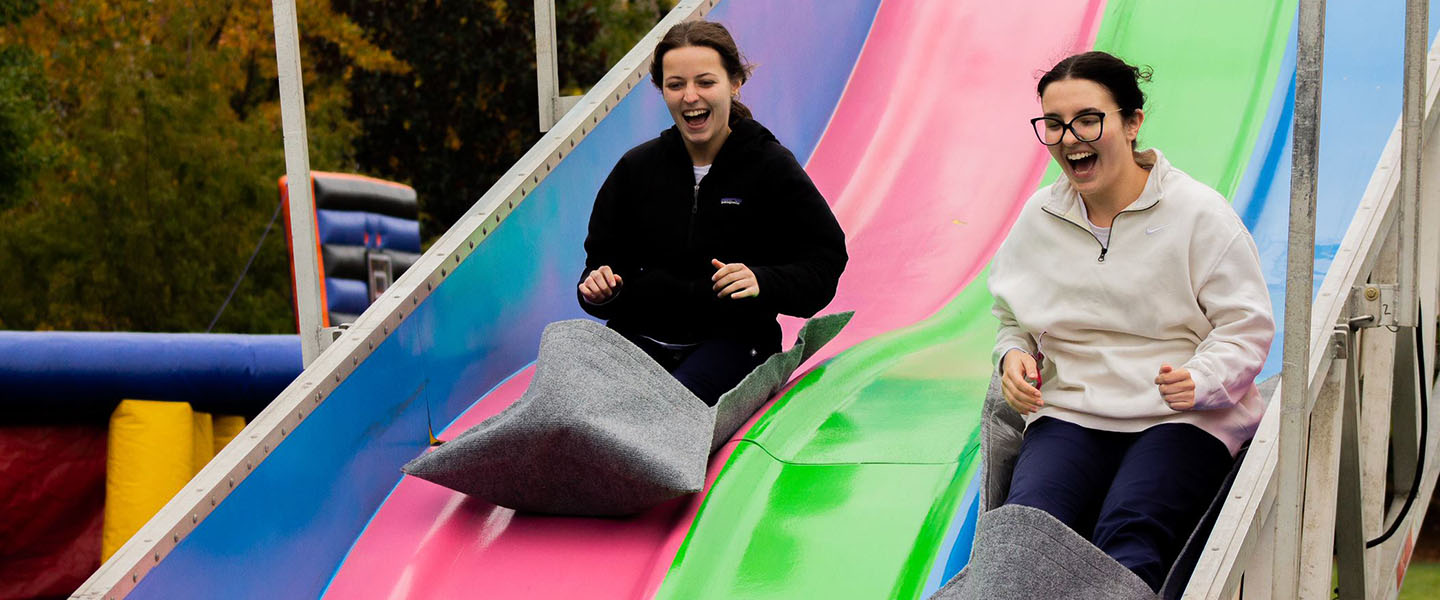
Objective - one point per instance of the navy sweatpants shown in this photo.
(1136, 496)
(708, 369)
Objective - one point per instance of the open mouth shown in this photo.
(697, 118)
(1082, 164)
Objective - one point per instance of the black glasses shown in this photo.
(1086, 127)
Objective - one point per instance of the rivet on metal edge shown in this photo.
(194, 519)
(134, 577)
(354, 361)
(282, 432)
(248, 466)
(175, 538)
(472, 244)
(267, 448)
(232, 483)
(157, 557)
(442, 272)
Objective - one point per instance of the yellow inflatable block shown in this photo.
(155, 447)
(226, 428)
(202, 441)
(150, 458)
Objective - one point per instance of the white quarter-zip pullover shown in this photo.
(1178, 282)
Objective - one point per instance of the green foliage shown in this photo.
(1422, 580)
(14, 10)
(22, 119)
(467, 109)
(140, 140)
(161, 145)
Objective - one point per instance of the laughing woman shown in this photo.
(1134, 319)
(701, 236)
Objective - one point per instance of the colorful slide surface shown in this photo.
(859, 480)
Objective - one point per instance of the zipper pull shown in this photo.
(1103, 250)
(695, 200)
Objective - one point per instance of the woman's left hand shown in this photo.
(734, 280)
(1176, 387)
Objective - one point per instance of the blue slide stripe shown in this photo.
(1360, 104)
(283, 530)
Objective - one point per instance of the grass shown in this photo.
(1422, 581)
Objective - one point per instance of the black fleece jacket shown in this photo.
(658, 230)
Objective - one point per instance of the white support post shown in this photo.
(1300, 274)
(547, 68)
(1428, 244)
(297, 174)
(1321, 486)
(547, 64)
(1349, 533)
(1417, 20)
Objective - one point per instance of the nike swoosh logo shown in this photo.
(1152, 230)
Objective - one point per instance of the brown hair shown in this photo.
(709, 35)
(1120, 78)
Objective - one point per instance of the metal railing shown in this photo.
(1338, 456)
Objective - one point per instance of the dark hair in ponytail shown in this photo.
(710, 35)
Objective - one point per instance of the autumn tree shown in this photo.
(140, 140)
(466, 110)
(156, 144)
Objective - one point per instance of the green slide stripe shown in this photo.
(845, 488)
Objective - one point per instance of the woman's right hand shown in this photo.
(600, 285)
(1016, 368)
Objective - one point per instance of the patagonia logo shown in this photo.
(731, 201)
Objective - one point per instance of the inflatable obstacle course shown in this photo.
(367, 233)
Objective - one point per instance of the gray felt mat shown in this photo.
(1001, 431)
(1023, 553)
(736, 405)
(603, 430)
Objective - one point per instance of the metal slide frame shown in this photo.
(183, 513)
(1312, 489)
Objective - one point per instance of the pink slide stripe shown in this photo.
(928, 158)
(430, 542)
(926, 162)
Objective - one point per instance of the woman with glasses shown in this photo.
(700, 236)
(1133, 321)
